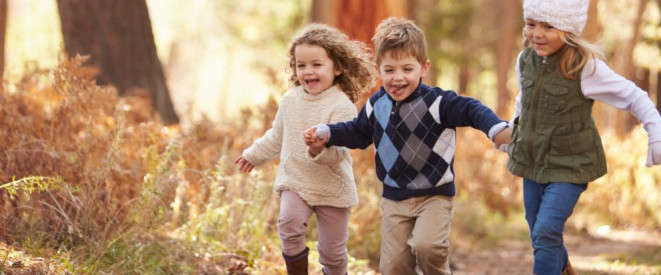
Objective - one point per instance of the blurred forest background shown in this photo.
(121, 120)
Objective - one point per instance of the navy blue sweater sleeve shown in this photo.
(459, 111)
(353, 134)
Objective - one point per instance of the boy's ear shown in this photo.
(338, 72)
(425, 68)
(378, 70)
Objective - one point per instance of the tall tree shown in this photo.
(623, 64)
(3, 34)
(593, 31)
(359, 19)
(118, 36)
(506, 45)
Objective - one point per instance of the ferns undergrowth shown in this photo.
(97, 183)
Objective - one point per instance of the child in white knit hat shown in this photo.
(555, 144)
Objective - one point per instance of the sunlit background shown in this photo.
(216, 55)
(221, 56)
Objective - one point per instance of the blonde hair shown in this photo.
(400, 38)
(351, 57)
(576, 52)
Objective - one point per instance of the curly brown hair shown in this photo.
(351, 57)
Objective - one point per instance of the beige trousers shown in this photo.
(415, 232)
(332, 228)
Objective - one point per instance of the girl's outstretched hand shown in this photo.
(653, 154)
(244, 165)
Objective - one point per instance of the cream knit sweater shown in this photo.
(325, 180)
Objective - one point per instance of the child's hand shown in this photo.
(317, 132)
(503, 147)
(314, 140)
(502, 140)
(653, 154)
(244, 165)
(310, 136)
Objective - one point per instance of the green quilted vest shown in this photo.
(555, 138)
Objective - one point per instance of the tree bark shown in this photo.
(506, 46)
(658, 91)
(593, 29)
(3, 34)
(118, 36)
(592, 32)
(323, 11)
(623, 64)
(358, 19)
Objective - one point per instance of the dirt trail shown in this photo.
(611, 252)
(608, 253)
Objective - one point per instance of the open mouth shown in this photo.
(397, 89)
(311, 82)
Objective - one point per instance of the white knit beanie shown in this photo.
(564, 15)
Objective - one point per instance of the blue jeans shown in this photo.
(547, 208)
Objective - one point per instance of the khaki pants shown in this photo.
(415, 232)
(332, 228)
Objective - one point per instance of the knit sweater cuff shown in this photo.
(496, 129)
(337, 136)
(653, 131)
(489, 123)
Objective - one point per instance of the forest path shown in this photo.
(611, 252)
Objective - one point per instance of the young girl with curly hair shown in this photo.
(329, 72)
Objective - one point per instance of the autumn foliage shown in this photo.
(95, 181)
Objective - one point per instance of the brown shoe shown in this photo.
(569, 270)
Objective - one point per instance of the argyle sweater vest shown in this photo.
(414, 139)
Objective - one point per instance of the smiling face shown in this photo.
(401, 74)
(544, 38)
(314, 69)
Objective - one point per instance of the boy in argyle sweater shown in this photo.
(412, 127)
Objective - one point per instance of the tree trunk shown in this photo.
(623, 64)
(464, 78)
(506, 46)
(118, 36)
(323, 11)
(593, 29)
(3, 34)
(359, 19)
(658, 91)
(592, 32)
